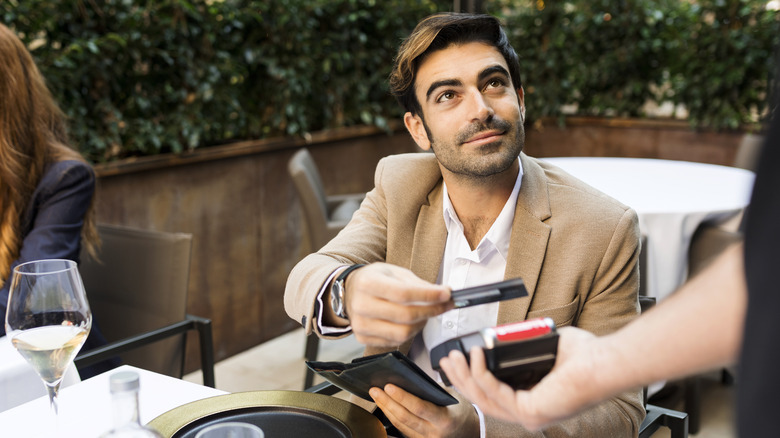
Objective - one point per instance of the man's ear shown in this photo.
(416, 128)
(521, 101)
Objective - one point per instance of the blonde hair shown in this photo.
(437, 32)
(33, 135)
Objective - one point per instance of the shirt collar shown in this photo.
(500, 231)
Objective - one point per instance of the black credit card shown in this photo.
(488, 293)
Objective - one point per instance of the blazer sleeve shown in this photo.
(363, 240)
(55, 217)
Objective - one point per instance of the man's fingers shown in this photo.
(412, 403)
(396, 411)
(423, 294)
(395, 312)
(387, 304)
(397, 284)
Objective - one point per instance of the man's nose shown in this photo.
(480, 107)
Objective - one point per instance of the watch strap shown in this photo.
(344, 273)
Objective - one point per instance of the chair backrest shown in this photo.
(140, 284)
(748, 151)
(308, 184)
(707, 243)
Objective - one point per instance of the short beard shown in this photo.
(494, 168)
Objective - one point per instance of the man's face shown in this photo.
(471, 113)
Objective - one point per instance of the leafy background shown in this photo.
(712, 61)
(148, 77)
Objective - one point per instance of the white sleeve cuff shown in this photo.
(328, 330)
(482, 427)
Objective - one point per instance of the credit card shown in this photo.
(489, 293)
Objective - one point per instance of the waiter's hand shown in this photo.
(415, 417)
(387, 305)
(566, 390)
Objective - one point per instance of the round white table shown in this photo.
(671, 198)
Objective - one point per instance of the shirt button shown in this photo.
(449, 324)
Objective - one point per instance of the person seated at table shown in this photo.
(46, 187)
(476, 210)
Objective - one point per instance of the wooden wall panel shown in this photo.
(247, 224)
(672, 140)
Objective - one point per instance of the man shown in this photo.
(732, 305)
(475, 211)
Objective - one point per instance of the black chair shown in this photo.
(138, 294)
(325, 217)
(658, 417)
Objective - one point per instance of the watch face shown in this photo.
(335, 298)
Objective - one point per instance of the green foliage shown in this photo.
(612, 57)
(730, 61)
(140, 77)
(145, 77)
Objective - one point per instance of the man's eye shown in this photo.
(494, 83)
(447, 95)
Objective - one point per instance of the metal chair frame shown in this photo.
(192, 322)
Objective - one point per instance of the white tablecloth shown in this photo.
(671, 198)
(19, 383)
(85, 408)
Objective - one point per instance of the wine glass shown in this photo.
(48, 318)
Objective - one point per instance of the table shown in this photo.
(671, 198)
(19, 383)
(85, 408)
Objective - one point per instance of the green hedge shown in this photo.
(714, 58)
(146, 77)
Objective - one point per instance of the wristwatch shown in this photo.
(337, 292)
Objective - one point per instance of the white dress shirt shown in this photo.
(463, 267)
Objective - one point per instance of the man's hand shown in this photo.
(566, 390)
(415, 417)
(387, 305)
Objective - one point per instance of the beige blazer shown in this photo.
(576, 249)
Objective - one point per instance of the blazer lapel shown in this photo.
(529, 239)
(430, 238)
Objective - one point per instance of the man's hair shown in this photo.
(437, 32)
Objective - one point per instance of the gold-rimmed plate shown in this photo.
(288, 414)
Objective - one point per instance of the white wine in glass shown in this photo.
(48, 318)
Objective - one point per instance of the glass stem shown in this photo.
(54, 391)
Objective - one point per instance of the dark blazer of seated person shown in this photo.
(51, 228)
